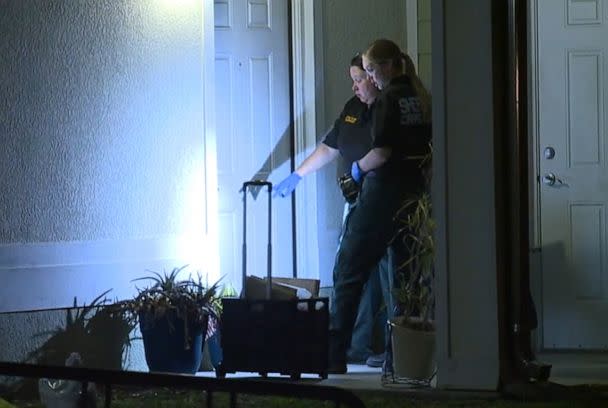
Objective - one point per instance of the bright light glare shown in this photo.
(192, 220)
(175, 4)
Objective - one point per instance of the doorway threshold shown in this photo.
(572, 368)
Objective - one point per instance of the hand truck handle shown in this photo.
(246, 185)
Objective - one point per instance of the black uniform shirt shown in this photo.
(351, 133)
(398, 124)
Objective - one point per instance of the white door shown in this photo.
(253, 131)
(573, 89)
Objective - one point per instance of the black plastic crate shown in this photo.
(289, 337)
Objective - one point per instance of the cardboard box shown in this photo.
(282, 288)
(311, 285)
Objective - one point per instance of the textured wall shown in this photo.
(349, 26)
(101, 158)
(100, 119)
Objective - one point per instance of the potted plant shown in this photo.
(173, 317)
(413, 330)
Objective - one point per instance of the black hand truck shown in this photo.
(289, 337)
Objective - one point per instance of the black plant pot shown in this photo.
(165, 343)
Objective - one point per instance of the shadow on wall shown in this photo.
(274, 160)
(277, 157)
(99, 335)
(329, 200)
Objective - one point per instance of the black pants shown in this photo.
(368, 235)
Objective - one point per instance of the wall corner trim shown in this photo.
(304, 103)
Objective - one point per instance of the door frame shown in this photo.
(534, 226)
(211, 236)
(307, 81)
(411, 15)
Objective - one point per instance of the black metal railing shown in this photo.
(232, 386)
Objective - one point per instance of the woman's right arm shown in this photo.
(322, 155)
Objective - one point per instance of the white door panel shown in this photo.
(253, 131)
(572, 72)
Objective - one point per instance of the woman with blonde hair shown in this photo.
(387, 175)
(419, 88)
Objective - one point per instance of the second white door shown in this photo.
(573, 89)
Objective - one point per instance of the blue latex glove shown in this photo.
(286, 187)
(356, 172)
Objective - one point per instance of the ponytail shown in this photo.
(384, 50)
(421, 91)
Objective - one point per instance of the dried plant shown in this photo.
(414, 291)
(189, 300)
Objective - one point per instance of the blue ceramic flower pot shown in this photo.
(215, 349)
(166, 347)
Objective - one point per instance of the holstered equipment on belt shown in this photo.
(349, 187)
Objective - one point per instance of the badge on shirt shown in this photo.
(350, 119)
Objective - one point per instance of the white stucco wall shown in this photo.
(102, 161)
(349, 26)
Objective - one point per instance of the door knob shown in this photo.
(550, 179)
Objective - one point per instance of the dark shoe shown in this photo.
(356, 362)
(337, 367)
(357, 358)
(375, 360)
